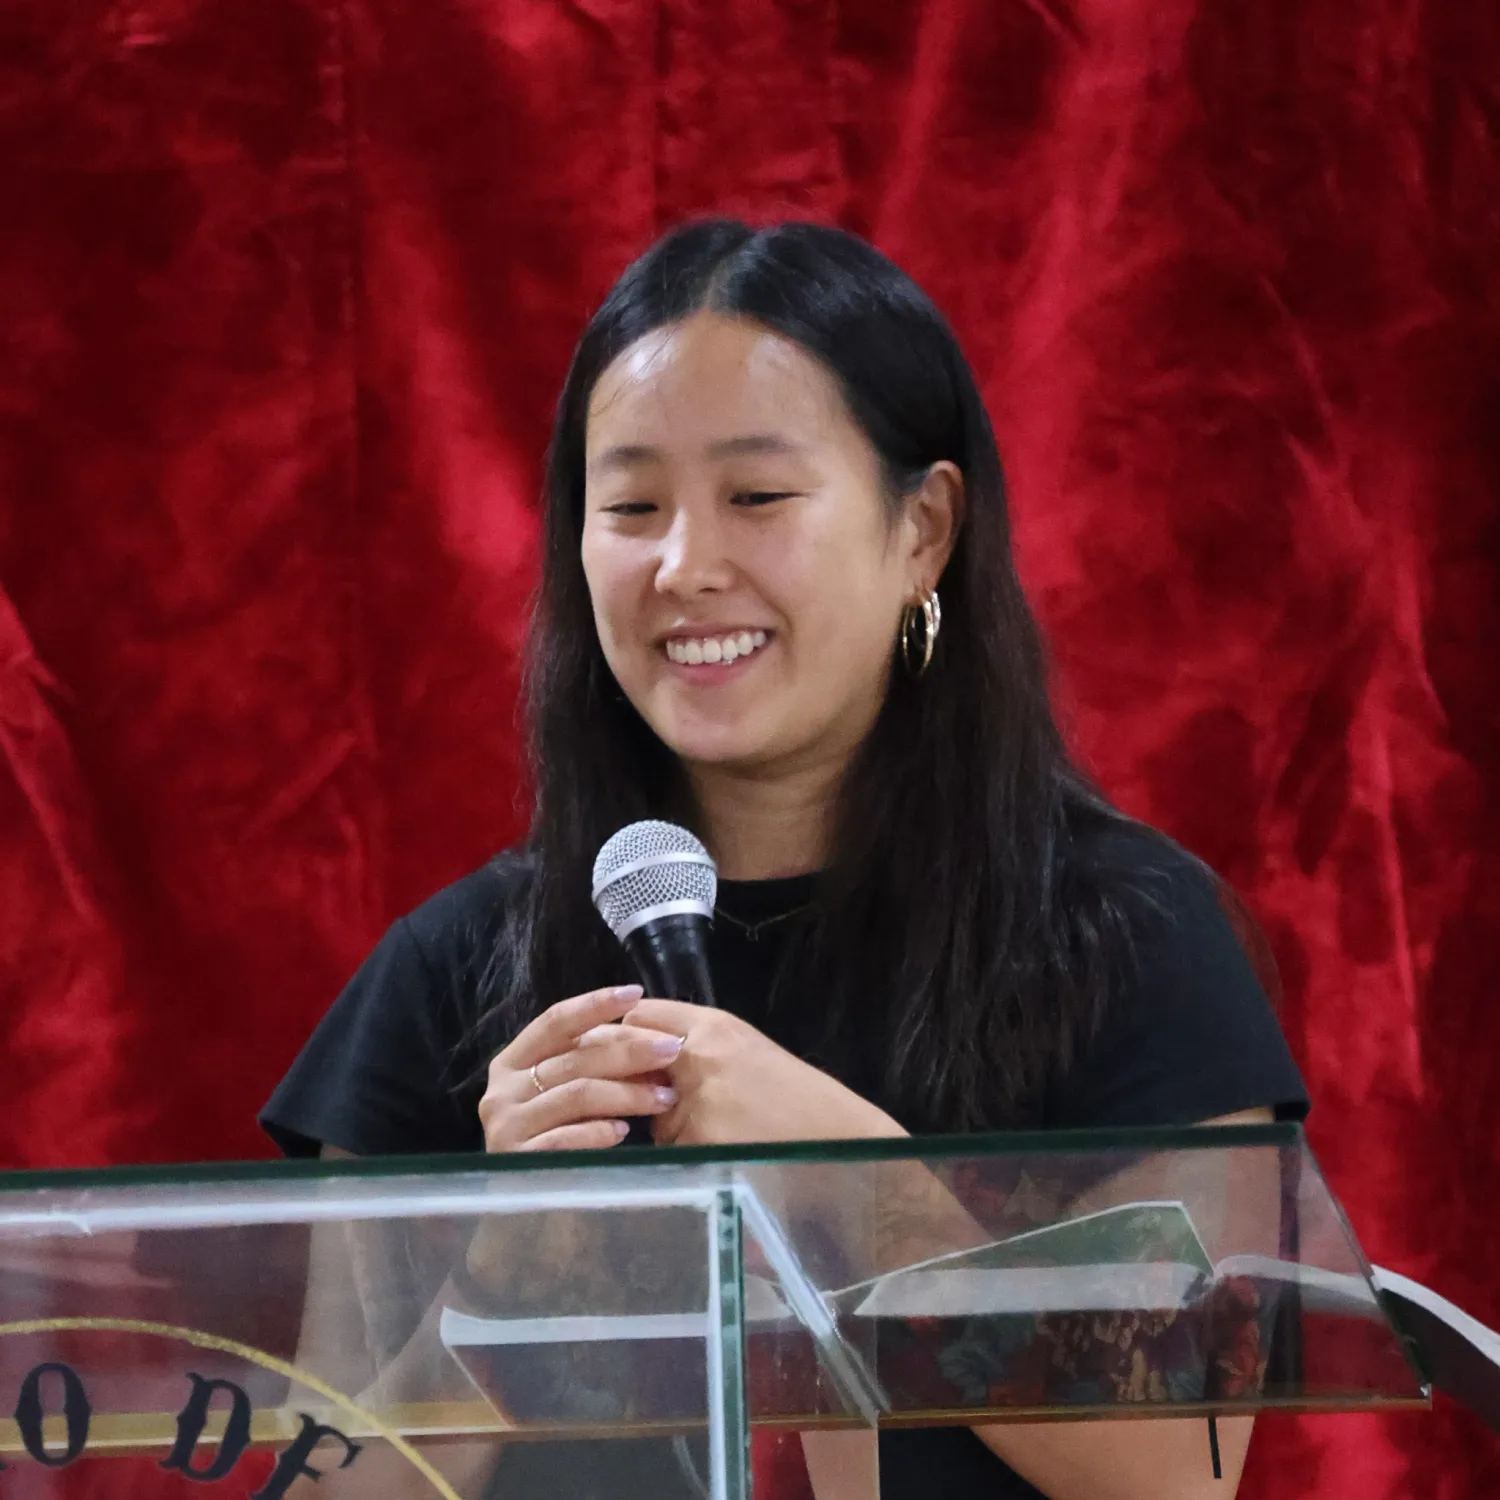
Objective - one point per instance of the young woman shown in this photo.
(778, 605)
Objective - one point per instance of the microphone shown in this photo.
(655, 885)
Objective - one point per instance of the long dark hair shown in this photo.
(962, 918)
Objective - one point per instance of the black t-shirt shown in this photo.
(391, 1069)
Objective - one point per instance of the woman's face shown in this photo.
(747, 577)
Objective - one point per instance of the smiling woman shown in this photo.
(747, 580)
(770, 463)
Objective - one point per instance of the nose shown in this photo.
(693, 556)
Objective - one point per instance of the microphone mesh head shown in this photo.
(652, 869)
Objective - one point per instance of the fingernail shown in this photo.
(668, 1046)
(665, 1096)
(621, 1129)
(628, 992)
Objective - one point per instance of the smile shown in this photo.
(711, 649)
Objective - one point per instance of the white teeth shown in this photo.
(711, 649)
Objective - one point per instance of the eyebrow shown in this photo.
(629, 455)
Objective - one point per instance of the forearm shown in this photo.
(1134, 1458)
(1143, 1458)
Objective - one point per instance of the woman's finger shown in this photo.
(508, 1126)
(591, 1135)
(678, 1016)
(610, 1052)
(581, 1099)
(560, 1025)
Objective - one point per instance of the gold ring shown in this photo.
(536, 1082)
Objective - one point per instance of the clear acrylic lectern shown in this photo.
(489, 1326)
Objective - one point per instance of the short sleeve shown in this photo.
(1192, 1035)
(383, 1072)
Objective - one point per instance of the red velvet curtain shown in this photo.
(287, 288)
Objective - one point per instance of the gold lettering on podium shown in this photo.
(199, 1339)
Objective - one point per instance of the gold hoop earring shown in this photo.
(918, 655)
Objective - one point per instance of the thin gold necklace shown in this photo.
(753, 930)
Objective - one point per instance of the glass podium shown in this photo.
(468, 1327)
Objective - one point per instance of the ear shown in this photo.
(934, 513)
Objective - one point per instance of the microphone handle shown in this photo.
(671, 955)
(671, 958)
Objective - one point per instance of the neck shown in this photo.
(761, 827)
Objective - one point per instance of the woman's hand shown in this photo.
(736, 1085)
(569, 1081)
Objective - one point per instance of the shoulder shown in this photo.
(390, 1065)
(1123, 847)
(1174, 904)
(454, 931)
(1190, 1032)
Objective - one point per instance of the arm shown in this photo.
(735, 1085)
(1129, 1459)
(344, 1339)
(376, 1289)
(1158, 1459)
(1194, 1036)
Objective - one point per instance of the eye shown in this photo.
(753, 498)
(630, 508)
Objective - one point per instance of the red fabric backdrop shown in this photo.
(287, 288)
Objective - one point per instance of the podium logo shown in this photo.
(293, 1464)
(55, 1388)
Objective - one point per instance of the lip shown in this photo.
(706, 632)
